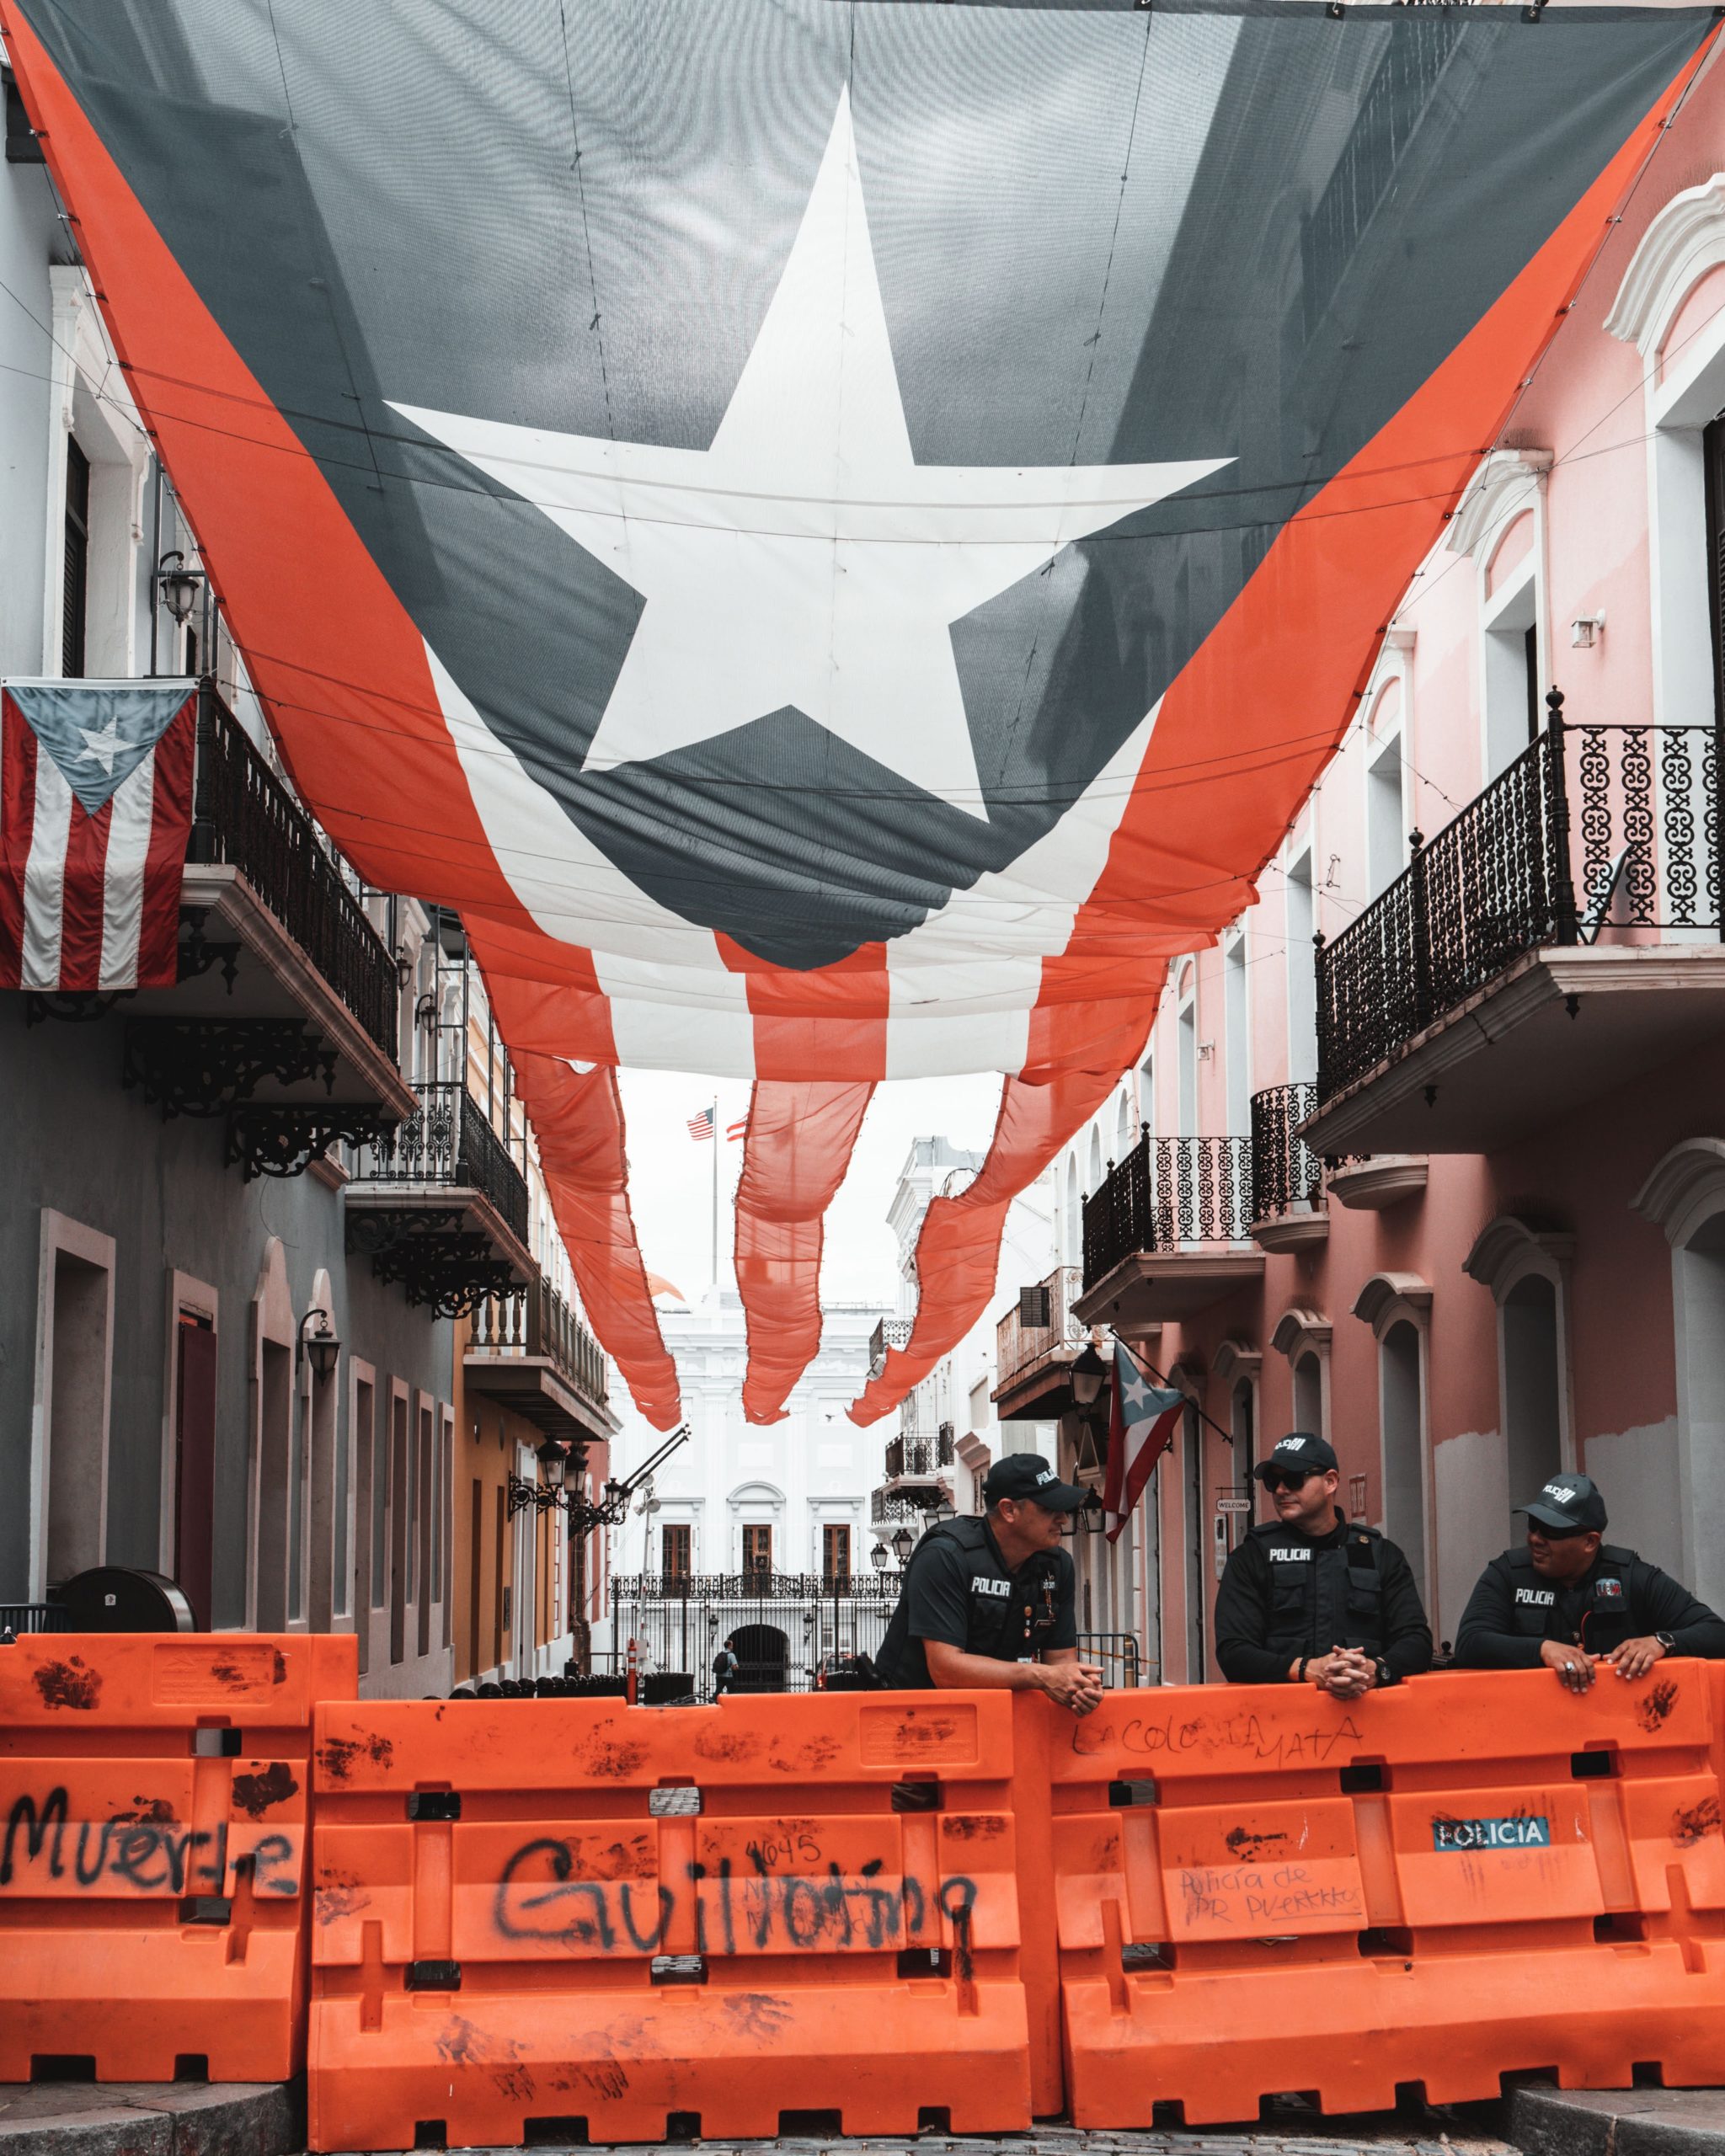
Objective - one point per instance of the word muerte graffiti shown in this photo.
(145, 1851)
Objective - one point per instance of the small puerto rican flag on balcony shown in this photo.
(95, 811)
(1141, 1426)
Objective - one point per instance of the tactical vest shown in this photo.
(1009, 1615)
(1597, 1614)
(1323, 1598)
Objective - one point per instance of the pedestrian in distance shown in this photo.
(990, 1602)
(1574, 1602)
(725, 1666)
(1312, 1597)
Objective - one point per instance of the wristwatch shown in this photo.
(1666, 1641)
(1385, 1674)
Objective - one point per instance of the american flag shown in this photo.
(737, 1129)
(701, 1126)
(95, 810)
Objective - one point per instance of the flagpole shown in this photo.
(1167, 1385)
(715, 1190)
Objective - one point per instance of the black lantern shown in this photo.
(553, 1463)
(1089, 1372)
(943, 1511)
(877, 1556)
(179, 585)
(904, 1542)
(320, 1347)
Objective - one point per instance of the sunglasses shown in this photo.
(1288, 1478)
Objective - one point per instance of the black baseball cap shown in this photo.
(1568, 1503)
(1028, 1475)
(1299, 1450)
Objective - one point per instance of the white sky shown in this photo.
(671, 1174)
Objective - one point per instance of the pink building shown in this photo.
(1452, 1190)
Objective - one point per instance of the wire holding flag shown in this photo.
(1141, 1424)
(701, 1126)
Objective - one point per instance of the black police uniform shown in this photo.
(1513, 1612)
(1284, 1594)
(959, 1589)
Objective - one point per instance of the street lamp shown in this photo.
(554, 1462)
(179, 585)
(903, 1543)
(319, 1348)
(1088, 1373)
(877, 1556)
(944, 1510)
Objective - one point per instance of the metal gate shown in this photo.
(784, 1624)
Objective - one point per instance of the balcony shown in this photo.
(532, 1354)
(1557, 938)
(1167, 1235)
(1288, 1203)
(918, 1474)
(284, 1018)
(439, 1206)
(1034, 1358)
(889, 1332)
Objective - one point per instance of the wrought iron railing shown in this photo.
(1285, 1172)
(752, 1587)
(540, 1323)
(889, 1332)
(919, 1455)
(244, 818)
(1595, 833)
(1019, 1347)
(1166, 1194)
(448, 1142)
(886, 1508)
(785, 1624)
(19, 1617)
(1116, 1653)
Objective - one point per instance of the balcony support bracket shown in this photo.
(274, 1140)
(428, 1255)
(194, 1067)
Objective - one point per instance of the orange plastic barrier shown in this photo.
(1261, 1890)
(570, 1918)
(154, 1796)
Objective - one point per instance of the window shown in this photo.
(676, 1552)
(1188, 1038)
(757, 1548)
(341, 1550)
(1236, 1035)
(1385, 818)
(195, 1462)
(1713, 458)
(1302, 972)
(426, 1493)
(1401, 1410)
(76, 588)
(835, 1553)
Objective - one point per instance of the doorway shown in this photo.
(1532, 1408)
(194, 1463)
(1402, 1418)
(763, 1655)
(1198, 1546)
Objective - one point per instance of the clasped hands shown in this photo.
(1344, 1673)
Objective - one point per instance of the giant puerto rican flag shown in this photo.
(838, 533)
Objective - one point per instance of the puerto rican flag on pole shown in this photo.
(1141, 1426)
(95, 811)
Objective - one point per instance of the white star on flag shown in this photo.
(805, 558)
(102, 744)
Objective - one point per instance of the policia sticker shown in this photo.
(1459, 1834)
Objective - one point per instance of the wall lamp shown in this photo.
(320, 1347)
(178, 585)
(1585, 629)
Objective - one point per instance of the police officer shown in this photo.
(982, 1597)
(1573, 1601)
(1310, 1597)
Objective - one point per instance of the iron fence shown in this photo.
(1117, 1654)
(447, 1141)
(21, 1617)
(889, 1332)
(244, 818)
(1605, 832)
(908, 1455)
(539, 1322)
(1285, 1172)
(1168, 1194)
(1019, 1347)
(784, 1624)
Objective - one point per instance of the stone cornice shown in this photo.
(1683, 242)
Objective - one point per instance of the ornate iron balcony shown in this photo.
(244, 818)
(919, 1455)
(540, 1322)
(1595, 832)
(1285, 1172)
(448, 1142)
(889, 1332)
(1167, 1194)
(1019, 1347)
